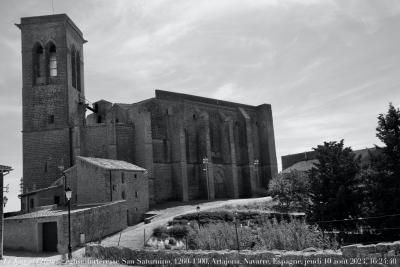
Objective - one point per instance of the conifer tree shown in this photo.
(334, 184)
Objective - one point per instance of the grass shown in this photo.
(260, 227)
(293, 235)
(220, 216)
(259, 205)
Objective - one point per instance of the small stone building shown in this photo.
(107, 196)
(46, 229)
(96, 180)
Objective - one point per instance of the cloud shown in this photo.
(327, 67)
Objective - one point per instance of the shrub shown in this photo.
(164, 236)
(178, 231)
(159, 231)
(290, 189)
(172, 241)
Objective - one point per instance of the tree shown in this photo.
(334, 184)
(385, 183)
(290, 189)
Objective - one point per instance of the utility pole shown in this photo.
(4, 170)
(236, 228)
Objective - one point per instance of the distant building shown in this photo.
(3, 171)
(305, 161)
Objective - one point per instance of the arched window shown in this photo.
(52, 60)
(38, 61)
(73, 66)
(78, 71)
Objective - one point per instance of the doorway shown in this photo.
(50, 237)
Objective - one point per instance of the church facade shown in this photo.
(191, 147)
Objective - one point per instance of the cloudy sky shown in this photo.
(327, 67)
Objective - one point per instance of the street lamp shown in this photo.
(68, 194)
(198, 215)
(205, 162)
(5, 199)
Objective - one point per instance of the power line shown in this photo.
(360, 219)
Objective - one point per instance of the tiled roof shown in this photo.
(301, 166)
(49, 211)
(43, 213)
(306, 165)
(124, 106)
(112, 164)
(42, 189)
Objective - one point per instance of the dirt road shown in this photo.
(133, 237)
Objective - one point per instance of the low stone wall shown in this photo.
(387, 254)
(375, 250)
(212, 258)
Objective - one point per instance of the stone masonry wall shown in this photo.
(27, 233)
(50, 105)
(133, 187)
(185, 129)
(248, 258)
(93, 183)
(94, 222)
(43, 151)
(95, 141)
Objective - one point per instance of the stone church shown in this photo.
(192, 147)
(118, 159)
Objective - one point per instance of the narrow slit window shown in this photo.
(73, 67)
(38, 64)
(52, 60)
(78, 71)
(51, 119)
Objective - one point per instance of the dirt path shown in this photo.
(133, 237)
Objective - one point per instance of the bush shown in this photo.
(172, 242)
(178, 231)
(290, 189)
(160, 231)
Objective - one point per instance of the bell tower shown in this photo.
(52, 94)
